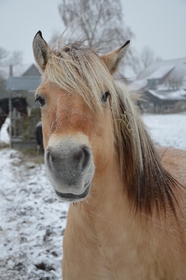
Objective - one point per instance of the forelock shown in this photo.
(77, 68)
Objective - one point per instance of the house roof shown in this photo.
(178, 64)
(169, 94)
(138, 85)
(175, 69)
(24, 83)
(31, 70)
(161, 72)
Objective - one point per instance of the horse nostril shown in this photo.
(48, 157)
(86, 152)
(78, 156)
(81, 157)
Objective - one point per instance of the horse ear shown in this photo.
(41, 51)
(112, 59)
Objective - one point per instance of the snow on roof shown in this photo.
(160, 72)
(179, 94)
(177, 63)
(175, 68)
(138, 85)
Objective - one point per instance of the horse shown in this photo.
(39, 137)
(127, 212)
(19, 103)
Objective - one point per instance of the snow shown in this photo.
(179, 66)
(167, 130)
(179, 94)
(32, 219)
(160, 72)
(4, 137)
(138, 85)
(174, 68)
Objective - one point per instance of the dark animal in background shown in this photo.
(19, 103)
(39, 136)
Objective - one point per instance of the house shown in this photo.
(23, 128)
(31, 71)
(25, 84)
(163, 85)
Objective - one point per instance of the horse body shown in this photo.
(174, 161)
(19, 103)
(127, 214)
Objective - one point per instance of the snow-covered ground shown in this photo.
(167, 130)
(32, 219)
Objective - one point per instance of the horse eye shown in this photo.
(105, 96)
(40, 100)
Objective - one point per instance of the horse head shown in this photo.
(77, 117)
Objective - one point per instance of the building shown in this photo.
(25, 85)
(22, 134)
(163, 85)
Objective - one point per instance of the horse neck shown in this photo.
(108, 224)
(107, 204)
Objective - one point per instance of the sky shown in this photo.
(158, 24)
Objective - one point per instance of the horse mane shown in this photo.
(148, 184)
(77, 68)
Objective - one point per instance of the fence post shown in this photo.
(10, 115)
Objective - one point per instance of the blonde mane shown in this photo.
(78, 69)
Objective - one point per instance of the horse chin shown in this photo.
(70, 197)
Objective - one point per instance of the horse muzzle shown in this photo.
(70, 169)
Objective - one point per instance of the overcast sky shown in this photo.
(159, 24)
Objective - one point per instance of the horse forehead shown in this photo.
(49, 88)
(46, 87)
(59, 94)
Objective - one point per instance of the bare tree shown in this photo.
(3, 61)
(15, 58)
(100, 21)
(144, 59)
(97, 22)
(147, 57)
(8, 59)
(175, 81)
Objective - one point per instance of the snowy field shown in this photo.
(167, 130)
(32, 220)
